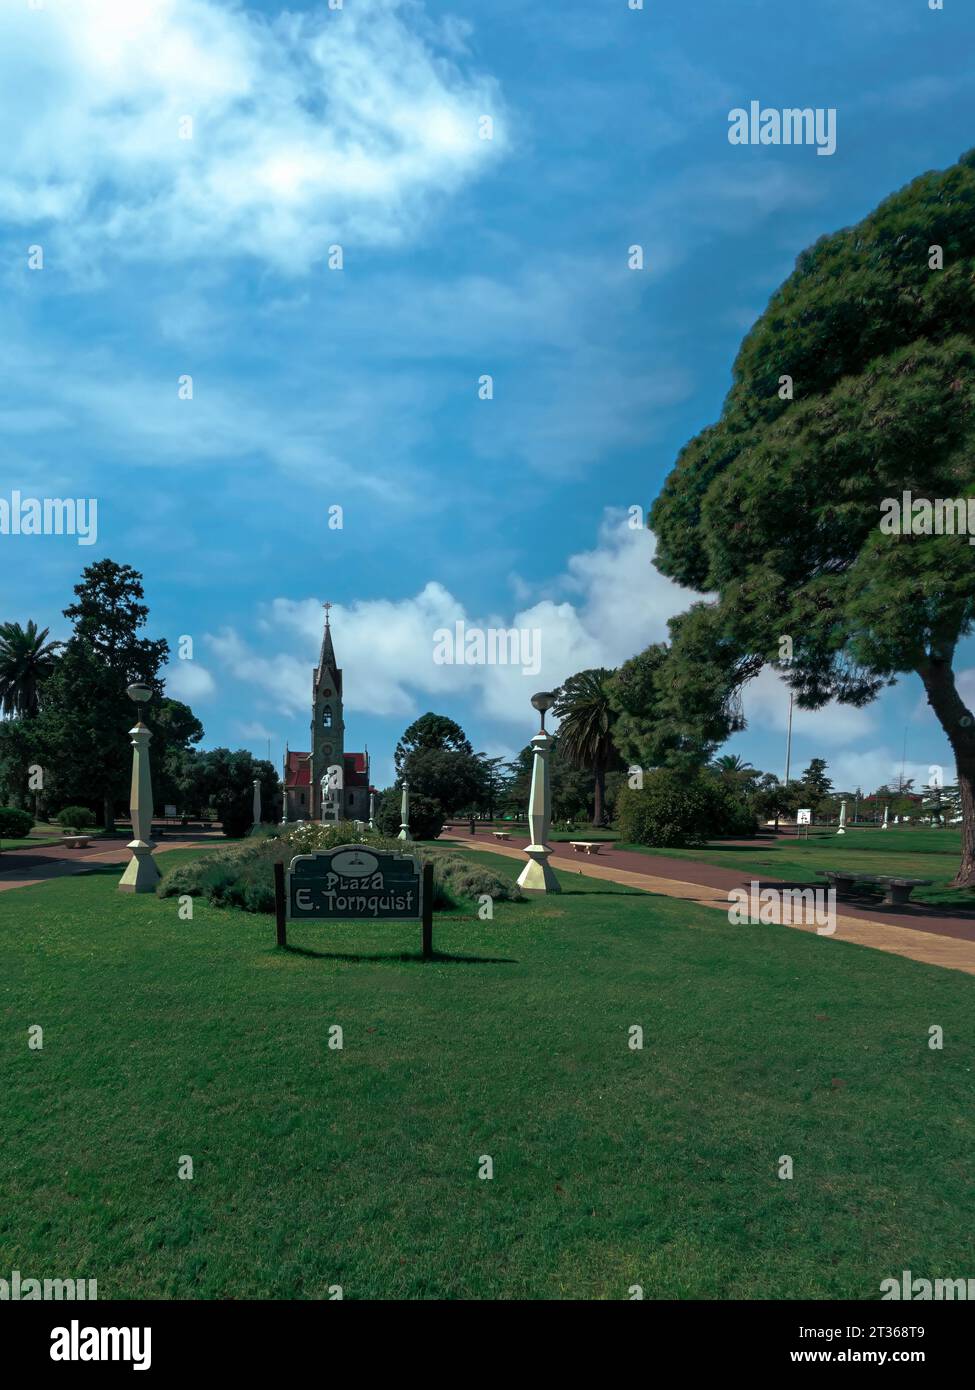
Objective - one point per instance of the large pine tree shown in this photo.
(856, 385)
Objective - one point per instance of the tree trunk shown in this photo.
(959, 726)
(598, 795)
(109, 813)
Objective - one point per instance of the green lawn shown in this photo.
(359, 1167)
(920, 853)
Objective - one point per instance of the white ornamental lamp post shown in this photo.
(257, 804)
(141, 873)
(538, 876)
(326, 796)
(404, 815)
(372, 809)
(886, 813)
(842, 828)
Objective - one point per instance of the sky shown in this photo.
(283, 248)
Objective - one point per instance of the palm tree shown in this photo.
(585, 729)
(26, 659)
(729, 764)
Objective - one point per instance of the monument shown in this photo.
(538, 876)
(141, 873)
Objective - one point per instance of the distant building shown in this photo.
(347, 795)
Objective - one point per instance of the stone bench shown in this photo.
(76, 841)
(897, 890)
(590, 846)
(501, 834)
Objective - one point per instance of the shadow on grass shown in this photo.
(441, 957)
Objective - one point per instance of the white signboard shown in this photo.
(804, 817)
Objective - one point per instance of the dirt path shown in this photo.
(912, 931)
(22, 868)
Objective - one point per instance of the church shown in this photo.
(346, 775)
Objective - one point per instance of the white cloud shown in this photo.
(765, 701)
(877, 767)
(313, 127)
(189, 681)
(608, 604)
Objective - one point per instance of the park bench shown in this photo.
(897, 890)
(501, 834)
(590, 846)
(76, 841)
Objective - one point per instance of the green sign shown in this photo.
(352, 883)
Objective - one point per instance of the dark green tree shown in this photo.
(431, 732)
(856, 385)
(815, 787)
(438, 760)
(175, 733)
(85, 713)
(223, 780)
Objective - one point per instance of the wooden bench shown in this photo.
(897, 890)
(76, 841)
(590, 846)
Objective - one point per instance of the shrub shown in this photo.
(75, 818)
(456, 878)
(674, 809)
(242, 875)
(14, 823)
(236, 817)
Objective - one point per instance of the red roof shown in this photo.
(298, 772)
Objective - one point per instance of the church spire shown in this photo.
(326, 661)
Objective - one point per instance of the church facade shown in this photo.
(345, 795)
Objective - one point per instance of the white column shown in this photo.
(141, 873)
(257, 803)
(538, 876)
(842, 828)
(886, 813)
(404, 829)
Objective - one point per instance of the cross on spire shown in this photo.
(326, 606)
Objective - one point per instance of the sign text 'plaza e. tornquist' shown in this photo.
(353, 882)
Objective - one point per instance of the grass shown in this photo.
(358, 1167)
(920, 853)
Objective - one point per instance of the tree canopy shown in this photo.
(855, 386)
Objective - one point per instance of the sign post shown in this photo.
(353, 883)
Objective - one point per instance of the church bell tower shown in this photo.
(327, 732)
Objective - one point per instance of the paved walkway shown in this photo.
(22, 868)
(914, 931)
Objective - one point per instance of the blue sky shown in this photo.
(462, 256)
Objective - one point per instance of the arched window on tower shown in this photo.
(327, 717)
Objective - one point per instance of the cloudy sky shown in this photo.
(189, 168)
